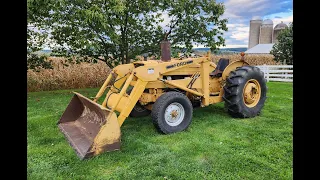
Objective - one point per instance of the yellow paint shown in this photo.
(215, 84)
(114, 88)
(113, 100)
(109, 134)
(215, 99)
(123, 90)
(204, 74)
(146, 98)
(231, 67)
(123, 69)
(183, 88)
(103, 88)
(133, 99)
(153, 71)
(251, 93)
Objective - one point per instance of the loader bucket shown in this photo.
(89, 127)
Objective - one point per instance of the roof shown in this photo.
(280, 26)
(260, 49)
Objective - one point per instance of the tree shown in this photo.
(196, 22)
(282, 50)
(115, 31)
(37, 11)
(111, 31)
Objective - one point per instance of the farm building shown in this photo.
(260, 49)
(262, 35)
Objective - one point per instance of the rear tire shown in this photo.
(245, 92)
(138, 110)
(172, 112)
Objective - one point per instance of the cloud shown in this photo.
(240, 12)
(237, 29)
(244, 10)
(285, 20)
(285, 17)
(237, 34)
(241, 34)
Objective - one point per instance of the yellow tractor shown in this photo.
(166, 89)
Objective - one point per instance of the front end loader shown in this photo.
(168, 90)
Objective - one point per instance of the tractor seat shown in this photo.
(222, 64)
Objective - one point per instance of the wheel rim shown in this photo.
(174, 114)
(251, 93)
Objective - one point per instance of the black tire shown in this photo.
(233, 92)
(159, 108)
(138, 110)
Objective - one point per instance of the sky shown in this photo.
(240, 12)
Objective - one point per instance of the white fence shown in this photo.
(282, 73)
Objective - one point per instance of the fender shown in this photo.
(231, 67)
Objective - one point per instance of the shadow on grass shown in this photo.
(200, 115)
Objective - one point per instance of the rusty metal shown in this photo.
(242, 56)
(81, 122)
(165, 51)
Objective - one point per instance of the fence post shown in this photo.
(267, 71)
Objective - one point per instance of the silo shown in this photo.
(266, 32)
(254, 32)
(277, 30)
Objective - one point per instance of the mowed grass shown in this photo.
(215, 146)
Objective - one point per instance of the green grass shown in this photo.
(215, 146)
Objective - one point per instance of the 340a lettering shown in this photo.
(179, 64)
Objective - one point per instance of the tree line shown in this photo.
(115, 31)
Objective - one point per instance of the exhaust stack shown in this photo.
(165, 51)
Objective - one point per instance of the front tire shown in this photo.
(245, 92)
(172, 112)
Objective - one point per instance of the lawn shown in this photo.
(215, 146)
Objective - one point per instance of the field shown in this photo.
(83, 75)
(215, 146)
(87, 75)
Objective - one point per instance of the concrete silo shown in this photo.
(266, 32)
(277, 30)
(254, 32)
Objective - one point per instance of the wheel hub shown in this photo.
(251, 93)
(174, 114)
